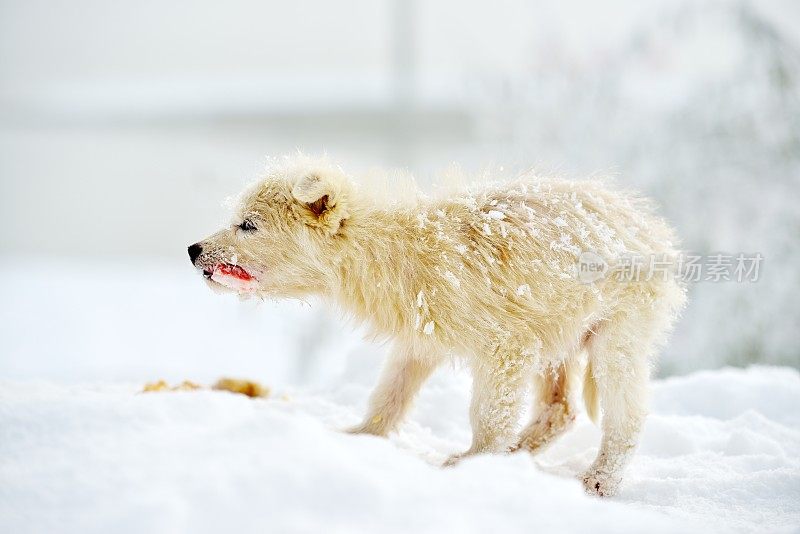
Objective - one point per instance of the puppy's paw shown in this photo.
(453, 459)
(516, 447)
(367, 428)
(522, 444)
(600, 484)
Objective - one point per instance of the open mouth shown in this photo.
(232, 276)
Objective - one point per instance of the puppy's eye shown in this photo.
(247, 226)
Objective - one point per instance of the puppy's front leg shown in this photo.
(401, 379)
(497, 392)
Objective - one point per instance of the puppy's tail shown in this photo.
(590, 397)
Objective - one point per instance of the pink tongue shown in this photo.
(233, 270)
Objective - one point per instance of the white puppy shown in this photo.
(521, 279)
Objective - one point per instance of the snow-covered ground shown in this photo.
(720, 453)
(82, 451)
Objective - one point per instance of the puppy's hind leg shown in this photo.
(619, 357)
(401, 379)
(553, 412)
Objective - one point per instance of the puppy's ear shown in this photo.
(323, 199)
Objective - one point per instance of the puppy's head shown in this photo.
(284, 234)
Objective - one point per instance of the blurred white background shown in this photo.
(124, 125)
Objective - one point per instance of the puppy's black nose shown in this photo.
(194, 252)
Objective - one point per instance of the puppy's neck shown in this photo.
(375, 273)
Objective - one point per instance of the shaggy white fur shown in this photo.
(491, 274)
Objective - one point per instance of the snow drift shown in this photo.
(721, 452)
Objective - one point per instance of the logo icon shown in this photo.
(591, 267)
